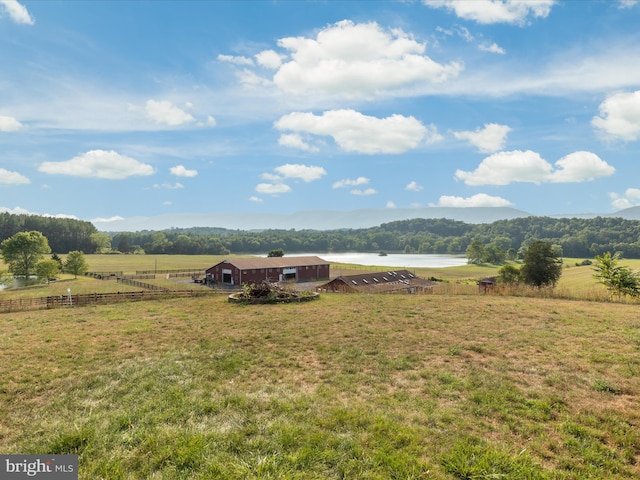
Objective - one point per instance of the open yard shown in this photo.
(349, 386)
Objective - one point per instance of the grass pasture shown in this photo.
(349, 386)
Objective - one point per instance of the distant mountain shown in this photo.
(308, 220)
(632, 213)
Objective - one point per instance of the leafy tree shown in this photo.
(278, 252)
(123, 245)
(541, 265)
(475, 251)
(58, 260)
(76, 263)
(618, 279)
(493, 254)
(509, 274)
(47, 269)
(23, 251)
(101, 241)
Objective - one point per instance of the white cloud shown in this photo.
(272, 188)
(166, 113)
(17, 12)
(364, 193)
(627, 3)
(169, 186)
(431, 135)
(209, 122)
(235, 60)
(252, 79)
(293, 140)
(98, 164)
(16, 211)
(301, 172)
(477, 200)
(357, 60)
(413, 187)
(269, 59)
(504, 168)
(294, 171)
(351, 183)
(24, 211)
(390, 204)
(355, 132)
(9, 124)
(630, 198)
(620, 116)
(515, 12)
(271, 177)
(489, 139)
(580, 167)
(115, 218)
(492, 48)
(12, 178)
(181, 171)
(457, 30)
(255, 199)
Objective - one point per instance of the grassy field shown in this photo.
(577, 282)
(349, 386)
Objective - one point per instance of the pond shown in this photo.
(406, 260)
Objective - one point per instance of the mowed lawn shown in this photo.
(348, 386)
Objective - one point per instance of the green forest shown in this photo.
(572, 237)
(64, 234)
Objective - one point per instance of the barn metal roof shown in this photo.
(381, 281)
(248, 263)
(378, 277)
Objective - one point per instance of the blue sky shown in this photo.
(120, 109)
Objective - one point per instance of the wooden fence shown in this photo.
(59, 301)
(103, 275)
(136, 283)
(175, 270)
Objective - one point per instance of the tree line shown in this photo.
(63, 234)
(501, 240)
(504, 239)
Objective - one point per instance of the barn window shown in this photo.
(354, 282)
(365, 281)
(375, 279)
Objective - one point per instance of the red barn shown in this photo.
(238, 271)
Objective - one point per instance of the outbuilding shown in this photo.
(401, 281)
(487, 284)
(238, 271)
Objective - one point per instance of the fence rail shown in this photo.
(175, 270)
(194, 274)
(104, 275)
(136, 283)
(81, 300)
(139, 277)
